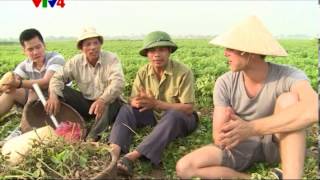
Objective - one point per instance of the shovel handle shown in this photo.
(44, 102)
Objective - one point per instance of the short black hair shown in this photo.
(28, 34)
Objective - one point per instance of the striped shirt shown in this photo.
(53, 62)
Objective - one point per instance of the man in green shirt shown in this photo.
(162, 96)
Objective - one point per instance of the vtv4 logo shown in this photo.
(52, 3)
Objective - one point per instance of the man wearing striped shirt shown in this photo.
(38, 67)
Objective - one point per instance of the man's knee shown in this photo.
(124, 112)
(15, 96)
(292, 135)
(31, 96)
(184, 168)
(126, 108)
(174, 115)
(67, 93)
(173, 118)
(8, 96)
(287, 99)
(113, 109)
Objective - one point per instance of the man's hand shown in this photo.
(144, 100)
(135, 103)
(97, 108)
(235, 131)
(10, 85)
(53, 104)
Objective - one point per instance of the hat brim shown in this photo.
(250, 36)
(80, 40)
(173, 46)
(261, 48)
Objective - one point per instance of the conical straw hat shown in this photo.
(250, 36)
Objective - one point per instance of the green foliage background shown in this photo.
(207, 63)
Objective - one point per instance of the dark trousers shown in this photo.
(79, 103)
(172, 125)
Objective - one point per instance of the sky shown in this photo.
(177, 17)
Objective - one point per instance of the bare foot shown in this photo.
(116, 150)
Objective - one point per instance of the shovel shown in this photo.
(44, 102)
(70, 131)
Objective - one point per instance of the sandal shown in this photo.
(126, 168)
(277, 173)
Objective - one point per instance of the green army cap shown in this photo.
(157, 39)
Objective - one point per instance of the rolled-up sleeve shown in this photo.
(116, 82)
(60, 77)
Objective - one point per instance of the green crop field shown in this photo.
(207, 63)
